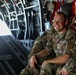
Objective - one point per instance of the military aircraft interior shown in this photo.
(21, 22)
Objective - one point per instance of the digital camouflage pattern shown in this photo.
(71, 64)
(60, 44)
(70, 67)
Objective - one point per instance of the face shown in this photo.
(59, 23)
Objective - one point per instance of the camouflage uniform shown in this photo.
(70, 66)
(60, 44)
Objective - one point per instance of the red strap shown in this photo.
(73, 7)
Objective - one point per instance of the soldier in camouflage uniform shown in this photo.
(63, 43)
